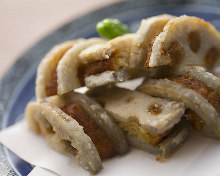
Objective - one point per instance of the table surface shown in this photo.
(25, 22)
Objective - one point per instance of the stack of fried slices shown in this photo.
(178, 96)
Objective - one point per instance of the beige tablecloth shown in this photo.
(24, 22)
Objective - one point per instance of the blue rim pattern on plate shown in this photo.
(17, 85)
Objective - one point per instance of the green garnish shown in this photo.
(111, 28)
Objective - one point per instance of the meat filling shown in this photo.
(95, 68)
(92, 69)
(100, 139)
(201, 88)
(51, 88)
(99, 67)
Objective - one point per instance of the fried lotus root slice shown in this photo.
(185, 40)
(192, 99)
(139, 115)
(63, 133)
(48, 65)
(68, 77)
(99, 115)
(148, 29)
(146, 121)
(107, 63)
(197, 73)
(156, 115)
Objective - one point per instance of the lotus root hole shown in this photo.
(175, 52)
(194, 41)
(211, 57)
(155, 108)
(128, 100)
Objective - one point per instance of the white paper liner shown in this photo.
(198, 156)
